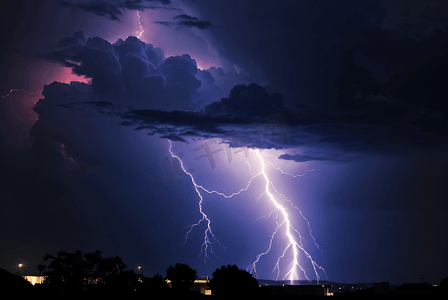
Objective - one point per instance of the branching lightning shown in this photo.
(14, 90)
(33, 115)
(293, 244)
(285, 173)
(140, 24)
(294, 247)
(206, 245)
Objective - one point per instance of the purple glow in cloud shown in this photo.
(362, 104)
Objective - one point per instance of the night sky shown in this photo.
(341, 105)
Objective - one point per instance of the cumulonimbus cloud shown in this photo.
(137, 83)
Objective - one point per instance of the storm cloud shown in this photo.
(186, 21)
(138, 72)
(354, 106)
(351, 93)
(301, 158)
(113, 9)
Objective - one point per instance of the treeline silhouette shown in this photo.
(89, 274)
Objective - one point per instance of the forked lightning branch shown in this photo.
(282, 207)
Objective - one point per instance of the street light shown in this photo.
(20, 267)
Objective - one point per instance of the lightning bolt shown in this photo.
(33, 115)
(15, 90)
(285, 173)
(293, 236)
(293, 244)
(140, 24)
(208, 231)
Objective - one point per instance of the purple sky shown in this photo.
(348, 94)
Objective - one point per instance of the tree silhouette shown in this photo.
(232, 281)
(443, 286)
(125, 281)
(155, 285)
(181, 277)
(75, 272)
(10, 282)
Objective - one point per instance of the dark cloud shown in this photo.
(349, 87)
(189, 21)
(359, 85)
(286, 129)
(100, 104)
(131, 70)
(358, 65)
(421, 85)
(297, 53)
(301, 158)
(169, 24)
(415, 18)
(186, 18)
(113, 9)
(102, 9)
(246, 101)
(139, 4)
(198, 24)
(227, 80)
(232, 119)
(186, 21)
(367, 111)
(174, 138)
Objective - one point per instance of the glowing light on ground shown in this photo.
(294, 248)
